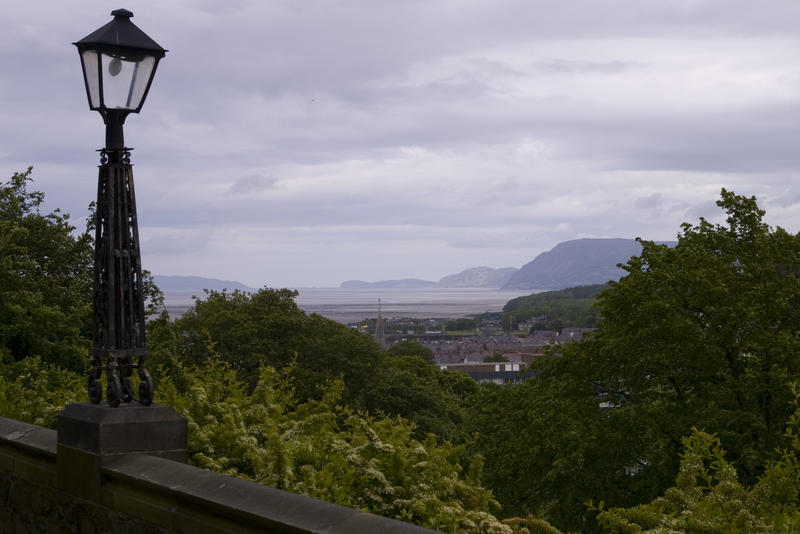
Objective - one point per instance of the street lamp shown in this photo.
(119, 61)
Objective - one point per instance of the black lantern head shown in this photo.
(119, 61)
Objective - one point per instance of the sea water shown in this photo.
(345, 305)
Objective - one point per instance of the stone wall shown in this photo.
(143, 494)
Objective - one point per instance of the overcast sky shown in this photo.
(303, 143)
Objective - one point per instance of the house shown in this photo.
(490, 372)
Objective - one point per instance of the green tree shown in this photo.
(320, 448)
(709, 497)
(461, 325)
(547, 448)
(434, 400)
(45, 280)
(553, 310)
(267, 328)
(702, 334)
(324, 449)
(35, 392)
(410, 347)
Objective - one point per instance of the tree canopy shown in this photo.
(324, 449)
(702, 334)
(267, 328)
(435, 400)
(410, 347)
(45, 279)
(552, 310)
(709, 497)
(461, 324)
(248, 331)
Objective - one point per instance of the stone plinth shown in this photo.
(91, 435)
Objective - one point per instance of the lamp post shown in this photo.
(119, 61)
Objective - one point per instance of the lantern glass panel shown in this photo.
(125, 79)
(92, 77)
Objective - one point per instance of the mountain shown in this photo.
(195, 283)
(478, 277)
(407, 283)
(576, 263)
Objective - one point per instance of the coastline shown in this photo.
(349, 305)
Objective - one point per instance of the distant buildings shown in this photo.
(500, 359)
(490, 372)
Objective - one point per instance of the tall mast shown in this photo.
(379, 337)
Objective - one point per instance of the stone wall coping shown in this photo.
(37, 439)
(257, 508)
(247, 501)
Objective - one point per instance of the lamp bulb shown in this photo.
(115, 67)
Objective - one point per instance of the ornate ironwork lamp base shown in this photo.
(119, 335)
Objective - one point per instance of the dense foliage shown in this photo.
(709, 497)
(705, 334)
(463, 324)
(35, 392)
(247, 331)
(410, 347)
(45, 279)
(547, 450)
(267, 328)
(552, 310)
(702, 334)
(325, 449)
(675, 415)
(433, 399)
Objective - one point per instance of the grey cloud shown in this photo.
(252, 184)
(706, 209)
(252, 88)
(215, 8)
(521, 237)
(295, 59)
(651, 202)
(785, 199)
(168, 244)
(561, 66)
(747, 140)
